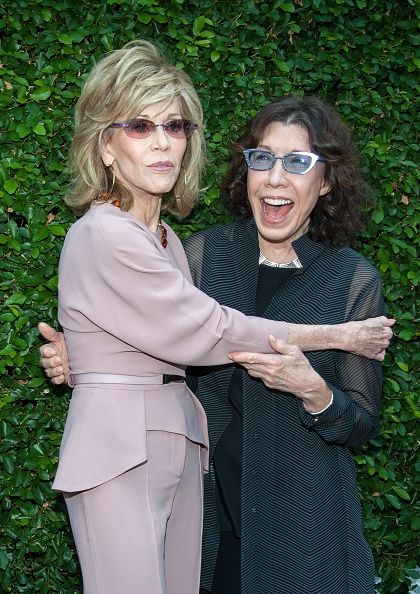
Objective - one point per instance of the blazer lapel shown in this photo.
(245, 263)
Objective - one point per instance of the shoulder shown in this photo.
(357, 276)
(210, 245)
(220, 235)
(329, 260)
(354, 261)
(335, 258)
(106, 225)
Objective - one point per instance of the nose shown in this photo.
(160, 139)
(277, 176)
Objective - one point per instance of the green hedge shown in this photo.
(359, 55)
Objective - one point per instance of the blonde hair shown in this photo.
(121, 85)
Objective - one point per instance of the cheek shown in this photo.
(180, 150)
(253, 183)
(251, 193)
(129, 155)
(308, 200)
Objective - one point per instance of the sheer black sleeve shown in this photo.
(353, 418)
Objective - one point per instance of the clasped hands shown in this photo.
(287, 370)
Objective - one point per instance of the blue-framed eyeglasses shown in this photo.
(296, 162)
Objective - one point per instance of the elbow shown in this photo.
(362, 435)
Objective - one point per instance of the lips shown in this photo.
(275, 210)
(161, 166)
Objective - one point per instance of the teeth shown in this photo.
(277, 201)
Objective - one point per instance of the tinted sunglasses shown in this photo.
(299, 162)
(142, 128)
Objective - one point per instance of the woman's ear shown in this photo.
(325, 188)
(107, 154)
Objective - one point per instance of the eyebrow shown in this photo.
(266, 148)
(170, 116)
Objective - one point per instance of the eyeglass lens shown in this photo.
(141, 128)
(292, 163)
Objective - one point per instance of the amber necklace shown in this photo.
(162, 229)
(163, 234)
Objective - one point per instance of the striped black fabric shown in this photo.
(301, 518)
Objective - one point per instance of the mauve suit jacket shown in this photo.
(128, 306)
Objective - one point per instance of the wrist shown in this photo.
(317, 398)
(326, 407)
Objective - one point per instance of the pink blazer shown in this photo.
(128, 306)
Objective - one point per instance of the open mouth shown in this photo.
(275, 210)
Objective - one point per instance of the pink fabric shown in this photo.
(141, 532)
(127, 306)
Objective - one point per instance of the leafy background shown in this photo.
(358, 54)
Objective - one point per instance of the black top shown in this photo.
(228, 453)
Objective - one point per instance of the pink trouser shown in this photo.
(140, 533)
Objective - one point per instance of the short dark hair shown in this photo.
(338, 215)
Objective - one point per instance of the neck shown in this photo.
(147, 210)
(282, 253)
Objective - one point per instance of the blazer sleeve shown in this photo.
(353, 418)
(121, 281)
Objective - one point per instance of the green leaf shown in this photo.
(22, 130)
(282, 66)
(4, 560)
(46, 14)
(39, 129)
(41, 95)
(287, 7)
(378, 215)
(57, 230)
(199, 24)
(8, 464)
(415, 522)
(40, 233)
(65, 39)
(393, 500)
(10, 185)
(402, 493)
(17, 298)
(144, 18)
(406, 334)
(36, 382)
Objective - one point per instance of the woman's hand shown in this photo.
(369, 338)
(288, 370)
(54, 354)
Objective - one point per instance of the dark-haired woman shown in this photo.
(282, 511)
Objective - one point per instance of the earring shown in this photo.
(108, 196)
(179, 195)
(113, 179)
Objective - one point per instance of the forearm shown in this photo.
(367, 338)
(318, 338)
